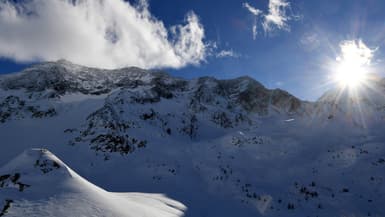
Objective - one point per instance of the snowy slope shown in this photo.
(221, 147)
(361, 107)
(37, 183)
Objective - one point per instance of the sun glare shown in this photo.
(352, 66)
(350, 75)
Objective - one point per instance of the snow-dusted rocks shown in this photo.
(37, 183)
(15, 107)
(65, 77)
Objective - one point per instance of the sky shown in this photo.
(295, 45)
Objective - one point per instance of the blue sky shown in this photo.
(296, 59)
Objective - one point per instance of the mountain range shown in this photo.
(219, 147)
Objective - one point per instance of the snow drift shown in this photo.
(37, 183)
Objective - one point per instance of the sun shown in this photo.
(350, 75)
(352, 66)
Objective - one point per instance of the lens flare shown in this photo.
(353, 64)
(350, 75)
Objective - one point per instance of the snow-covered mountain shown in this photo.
(221, 147)
(360, 107)
(37, 183)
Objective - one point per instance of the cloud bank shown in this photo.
(98, 33)
(277, 17)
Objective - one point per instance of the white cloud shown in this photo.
(256, 12)
(277, 17)
(213, 49)
(100, 33)
(227, 53)
(252, 10)
(355, 52)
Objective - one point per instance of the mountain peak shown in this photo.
(64, 61)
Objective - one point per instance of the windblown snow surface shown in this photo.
(220, 147)
(37, 183)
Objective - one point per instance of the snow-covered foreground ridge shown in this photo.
(221, 147)
(37, 183)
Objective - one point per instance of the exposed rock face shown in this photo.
(107, 132)
(245, 91)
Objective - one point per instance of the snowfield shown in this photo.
(51, 188)
(220, 147)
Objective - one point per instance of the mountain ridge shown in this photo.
(49, 184)
(63, 76)
(221, 147)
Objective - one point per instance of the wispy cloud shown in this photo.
(256, 12)
(278, 83)
(108, 34)
(252, 10)
(310, 41)
(277, 17)
(227, 53)
(214, 50)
